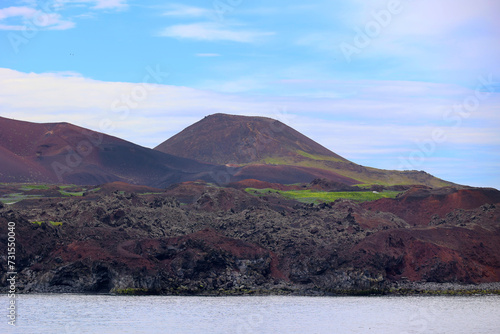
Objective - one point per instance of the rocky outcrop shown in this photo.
(224, 240)
(419, 205)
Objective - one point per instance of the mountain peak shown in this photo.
(270, 150)
(223, 138)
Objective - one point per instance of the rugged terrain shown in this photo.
(232, 205)
(195, 238)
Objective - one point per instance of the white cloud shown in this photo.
(110, 4)
(30, 17)
(179, 10)
(101, 4)
(49, 19)
(212, 31)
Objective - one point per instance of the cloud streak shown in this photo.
(212, 31)
(29, 16)
(183, 11)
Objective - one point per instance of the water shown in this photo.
(252, 315)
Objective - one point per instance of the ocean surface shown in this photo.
(251, 315)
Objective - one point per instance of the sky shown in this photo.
(397, 84)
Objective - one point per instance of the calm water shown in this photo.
(247, 315)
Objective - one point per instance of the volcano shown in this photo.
(269, 150)
(65, 153)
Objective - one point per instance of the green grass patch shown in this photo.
(276, 161)
(50, 222)
(318, 157)
(28, 187)
(16, 197)
(65, 186)
(309, 196)
(68, 193)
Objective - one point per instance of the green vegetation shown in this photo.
(318, 157)
(16, 192)
(276, 161)
(27, 187)
(65, 186)
(68, 193)
(16, 197)
(50, 222)
(365, 175)
(309, 196)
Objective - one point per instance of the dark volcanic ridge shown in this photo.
(225, 241)
(64, 153)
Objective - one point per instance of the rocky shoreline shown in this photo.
(225, 241)
(395, 289)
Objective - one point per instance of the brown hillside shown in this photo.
(230, 139)
(418, 206)
(65, 153)
(262, 142)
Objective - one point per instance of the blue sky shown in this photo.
(396, 84)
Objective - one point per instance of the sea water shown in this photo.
(251, 315)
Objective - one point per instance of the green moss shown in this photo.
(276, 161)
(67, 193)
(318, 157)
(50, 222)
(309, 196)
(35, 186)
(65, 186)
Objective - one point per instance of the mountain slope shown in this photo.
(65, 153)
(230, 139)
(263, 146)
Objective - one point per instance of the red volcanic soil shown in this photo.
(227, 238)
(257, 184)
(137, 253)
(418, 205)
(289, 174)
(440, 254)
(230, 139)
(65, 153)
(127, 187)
(14, 168)
(187, 192)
